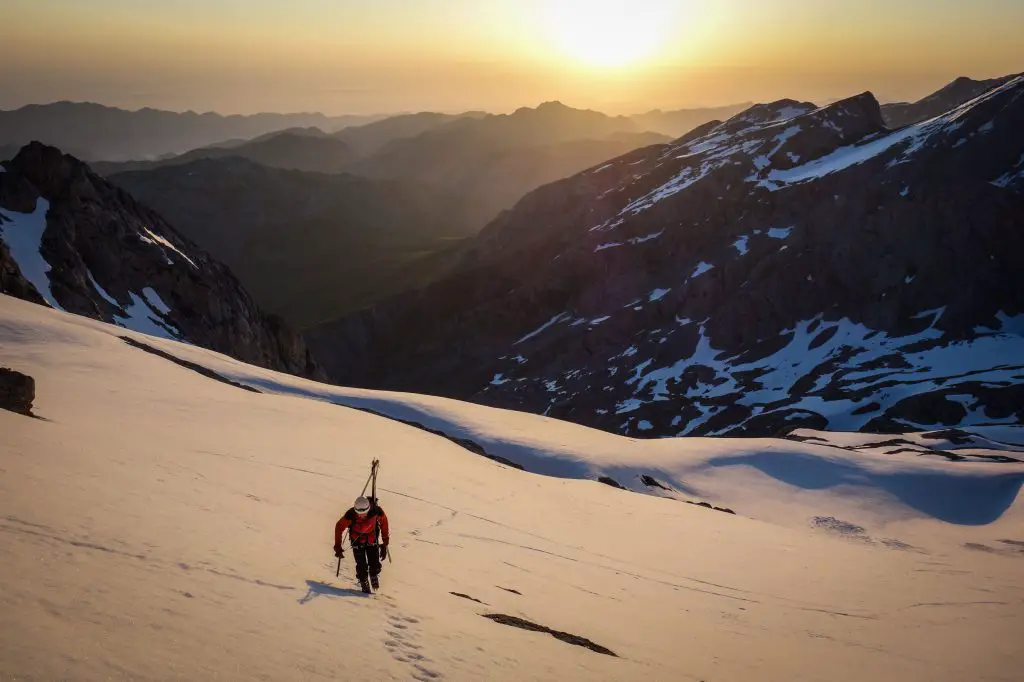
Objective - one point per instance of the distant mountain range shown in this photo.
(308, 149)
(98, 133)
(309, 246)
(312, 247)
(93, 132)
(682, 121)
(793, 266)
(490, 161)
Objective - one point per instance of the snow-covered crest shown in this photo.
(755, 137)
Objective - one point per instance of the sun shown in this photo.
(609, 33)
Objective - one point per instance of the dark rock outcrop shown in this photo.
(17, 391)
(568, 638)
(733, 284)
(12, 282)
(111, 258)
(609, 481)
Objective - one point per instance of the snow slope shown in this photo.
(160, 525)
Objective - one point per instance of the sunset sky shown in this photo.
(376, 56)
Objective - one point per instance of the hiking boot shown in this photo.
(365, 585)
(375, 582)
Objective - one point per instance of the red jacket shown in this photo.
(363, 529)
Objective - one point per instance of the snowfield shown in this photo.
(159, 524)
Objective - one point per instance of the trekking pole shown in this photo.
(341, 545)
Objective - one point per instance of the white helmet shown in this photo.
(362, 505)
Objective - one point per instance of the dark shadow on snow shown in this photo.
(321, 589)
(208, 373)
(958, 499)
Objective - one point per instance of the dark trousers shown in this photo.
(367, 560)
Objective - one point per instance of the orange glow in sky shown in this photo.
(620, 56)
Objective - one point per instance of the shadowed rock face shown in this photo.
(789, 267)
(308, 246)
(17, 391)
(112, 259)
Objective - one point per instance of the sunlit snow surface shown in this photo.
(160, 524)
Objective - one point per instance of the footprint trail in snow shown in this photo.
(400, 640)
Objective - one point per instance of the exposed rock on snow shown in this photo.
(12, 282)
(17, 391)
(707, 505)
(566, 637)
(466, 596)
(954, 445)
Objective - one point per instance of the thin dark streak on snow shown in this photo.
(955, 603)
(74, 543)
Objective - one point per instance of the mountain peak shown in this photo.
(84, 246)
(855, 116)
(958, 91)
(547, 109)
(52, 172)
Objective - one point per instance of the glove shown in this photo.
(383, 552)
(339, 552)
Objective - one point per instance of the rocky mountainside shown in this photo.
(94, 132)
(74, 241)
(790, 267)
(309, 246)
